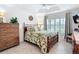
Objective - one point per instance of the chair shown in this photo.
(69, 38)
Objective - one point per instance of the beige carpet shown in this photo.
(61, 47)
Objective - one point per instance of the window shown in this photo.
(56, 25)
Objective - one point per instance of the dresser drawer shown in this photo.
(9, 35)
(3, 44)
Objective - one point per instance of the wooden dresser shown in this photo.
(9, 35)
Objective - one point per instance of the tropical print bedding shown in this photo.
(37, 38)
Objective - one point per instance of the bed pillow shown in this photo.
(30, 29)
(36, 28)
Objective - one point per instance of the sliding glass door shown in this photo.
(56, 25)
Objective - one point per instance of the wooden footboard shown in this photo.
(51, 41)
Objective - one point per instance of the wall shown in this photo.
(23, 18)
(56, 15)
(62, 14)
(74, 12)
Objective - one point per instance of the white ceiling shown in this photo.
(38, 8)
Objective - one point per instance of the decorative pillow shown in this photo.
(1, 21)
(33, 28)
(36, 28)
(30, 29)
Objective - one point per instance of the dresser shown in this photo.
(9, 35)
(76, 42)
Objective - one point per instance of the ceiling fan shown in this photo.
(47, 6)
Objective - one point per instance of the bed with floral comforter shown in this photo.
(41, 38)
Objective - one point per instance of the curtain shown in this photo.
(45, 22)
(68, 24)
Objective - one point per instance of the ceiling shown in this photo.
(38, 8)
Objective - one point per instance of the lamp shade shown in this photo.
(2, 13)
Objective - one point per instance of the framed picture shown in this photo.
(30, 18)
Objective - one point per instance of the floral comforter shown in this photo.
(39, 39)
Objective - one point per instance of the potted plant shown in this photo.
(13, 20)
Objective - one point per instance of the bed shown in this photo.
(43, 39)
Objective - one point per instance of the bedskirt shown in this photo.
(44, 41)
